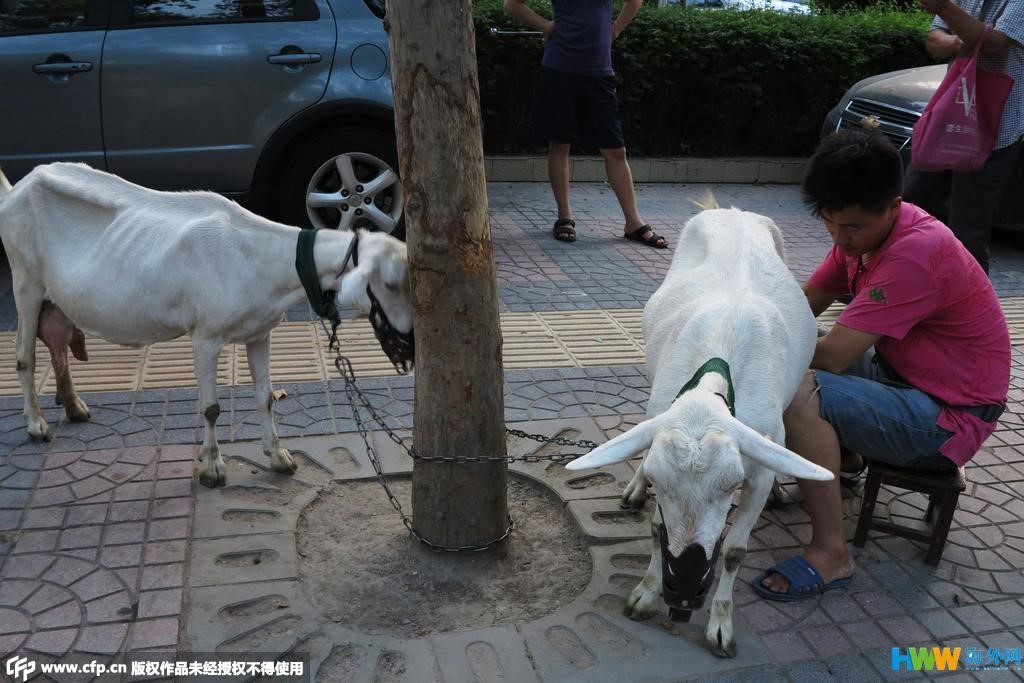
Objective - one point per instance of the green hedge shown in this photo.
(705, 82)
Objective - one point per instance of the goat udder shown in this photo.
(58, 333)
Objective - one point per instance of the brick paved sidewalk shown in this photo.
(96, 526)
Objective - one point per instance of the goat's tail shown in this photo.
(5, 185)
(706, 201)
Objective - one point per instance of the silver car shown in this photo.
(285, 105)
(892, 103)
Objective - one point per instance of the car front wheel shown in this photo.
(345, 179)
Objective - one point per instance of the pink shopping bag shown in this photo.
(960, 124)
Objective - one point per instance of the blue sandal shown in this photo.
(804, 581)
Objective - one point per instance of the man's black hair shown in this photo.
(851, 168)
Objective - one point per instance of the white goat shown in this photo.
(727, 295)
(135, 266)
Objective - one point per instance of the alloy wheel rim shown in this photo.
(355, 190)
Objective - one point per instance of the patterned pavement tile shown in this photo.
(95, 526)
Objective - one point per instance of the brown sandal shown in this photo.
(652, 238)
(565, 230)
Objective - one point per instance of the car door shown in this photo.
(50, 76)
(192, 89)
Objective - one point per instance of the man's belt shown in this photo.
(988, 413)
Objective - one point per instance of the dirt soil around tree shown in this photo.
(364, 570)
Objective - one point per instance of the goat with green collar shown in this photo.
(92, 252)
(729, 337)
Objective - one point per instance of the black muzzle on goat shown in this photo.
(686, 580)
(399, 347)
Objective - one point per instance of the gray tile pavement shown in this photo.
(99, 545)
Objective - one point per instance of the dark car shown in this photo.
(285, 105)
(892, 103)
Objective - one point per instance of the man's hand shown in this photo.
(943, 45)
(524, 15)
(626, 14)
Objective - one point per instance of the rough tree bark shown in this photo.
(459, 406)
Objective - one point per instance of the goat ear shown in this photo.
(394, 264)
(773, 456)
(618, 449)
(353, 285)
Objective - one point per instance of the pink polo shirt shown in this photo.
(941, 324)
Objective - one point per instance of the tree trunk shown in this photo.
(459, 379)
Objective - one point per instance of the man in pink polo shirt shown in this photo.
(916, 370)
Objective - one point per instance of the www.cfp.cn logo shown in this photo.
(20, 666)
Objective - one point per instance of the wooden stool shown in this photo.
(943, 491)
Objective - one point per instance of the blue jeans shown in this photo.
(883, 419)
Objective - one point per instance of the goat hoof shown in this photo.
(640, 607)
(212, 479)
(632, 502)
(212, 472)
(283, 462)
(726, 649)
(77, 411)
(40, 431)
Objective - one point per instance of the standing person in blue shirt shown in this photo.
(974, 195)
(577, 84)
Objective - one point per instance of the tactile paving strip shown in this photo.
(299, 351)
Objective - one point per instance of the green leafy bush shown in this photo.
(707, 83)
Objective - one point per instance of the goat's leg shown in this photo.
(643, 601)
(74, 407)
(259, 367)
(29, 301)
(719, 633)
(60, 334)
(635, 494)
(211, 465)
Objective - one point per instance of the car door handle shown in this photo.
(295, 59)
(502, 33)
(51, 68)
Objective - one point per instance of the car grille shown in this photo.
(895, 123)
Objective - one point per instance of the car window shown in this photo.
(193, 11)
(38, 16)
(377, 7)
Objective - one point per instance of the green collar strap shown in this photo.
(322, 302)
(722, 368)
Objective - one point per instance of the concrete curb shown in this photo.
(782, 170)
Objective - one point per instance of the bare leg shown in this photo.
(558, 176)
(259, 367)
(808, 434)
(211, 465)
(621, 179)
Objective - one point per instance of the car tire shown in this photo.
(344, 178)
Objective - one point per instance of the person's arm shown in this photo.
(838, 349)
(818, 299)
(942, 44)
(626, 14)
(966, 27)
(524, 15)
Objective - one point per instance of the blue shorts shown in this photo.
(883, 419)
